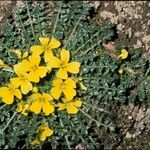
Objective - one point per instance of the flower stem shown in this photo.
(86, 43)
(148, 70)
(30, 20)
(94, 66)
(2, 106)
(55, 24)
(8, 70)
(87, 115)
(66, 137)
(94, 107)
(91, 47)
(72, 33)
(13, 116)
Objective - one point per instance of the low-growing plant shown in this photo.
(57, 81)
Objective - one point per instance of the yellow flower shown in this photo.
(2, 64)
(22, 80)
(71, 106)
(120, 71)
(124, 54)
(22, 107)
(32, 66)
(8, 93)
(41, 101)
(67, 87)
(46, 46)
(64, 65)
(44, 131)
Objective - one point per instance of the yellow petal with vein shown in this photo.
(65, 56)
(69, 93)
(35, 96)
(25, 65)
(46, 133)
(34, 60)
(54, 62)
(18, 94)
(73, 67)
(54, 43)
(8, 98)
(16, 81)
(77, 103)
(62, 73)
(47, 97)
(57, 82)
(37, 49)
(48, 55)
(26, 86)
(47, 108)
(35, 107)
(56, 92)
(69, 83)
(71, 109)
(61, 106)
(33, 77)
(3, 91)
(41, 72)
(44, 41)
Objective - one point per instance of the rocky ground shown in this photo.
(132, 20)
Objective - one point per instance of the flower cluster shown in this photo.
(41, 61)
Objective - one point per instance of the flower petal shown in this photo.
(54, 62)
(73, 67)
(34, 60)
(69, 93)
(56, 92)
(65, 56)
(35, 96)
(124, 54)
(16, 82)
(33, 77)
(46, 133)
(61, 106)
(47, 108)
(57, 82)
(77, 103)
(35, 107)
(25, 65)
(71, 109)
(3, 91)
(18, 94)
(8, 98)
(44, 41)
(49, 132)
(69, 83)
(18, 68)
(47, 97)
(26, 86)
(37, 49)
(41, 72)
(48, 55)
(54, 43)
(62, 73)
